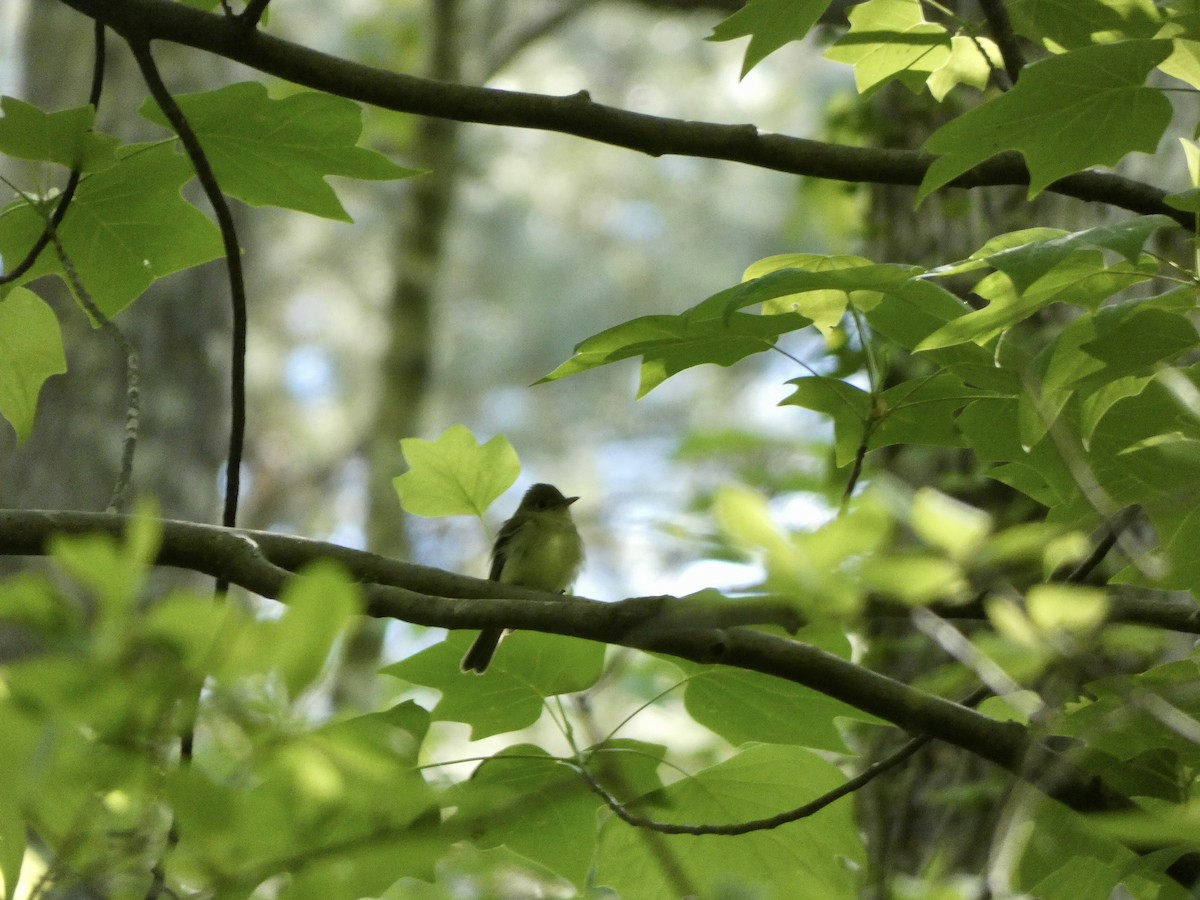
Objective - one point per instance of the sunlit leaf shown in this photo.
(891, 39)
(455, 475)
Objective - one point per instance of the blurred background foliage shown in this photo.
(452, 293)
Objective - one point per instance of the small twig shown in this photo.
(253, 13)
(116, 502)
(1109, 540)
(855, 474)
(869, 774)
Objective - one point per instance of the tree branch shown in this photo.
(868, 775)
(579, 116)
(140, 47)
(1002, 33)
(262, 562)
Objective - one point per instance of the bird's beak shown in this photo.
(567, 501)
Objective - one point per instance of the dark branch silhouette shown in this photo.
(578, 115)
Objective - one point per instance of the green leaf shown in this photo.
(31, 351)
(115, 570)
(747, 706)
(1188, 201)
(63, 137)
(971, 62)
(670, 344)
(1096, 405)
(1184, 62)
(891, 39)
(455, 475)
(715, 332)
(1078, 23)
(320, 602)
(278, 152)
(1081, 278)
(923, 411)
(770, 24)
(807, 856)
(1031, 260)
(128, 226)
(1083, 108)
(908, 312)
(949, 524)
(980, 259)
(824, 307)
(528, 668)
(1066, 607)
(521, 796)
(991, 429)
(848, 406)
(1142, 341)
(1109, 722)
(913, 577)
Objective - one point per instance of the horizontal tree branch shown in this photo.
(262, 562)
(579, 115)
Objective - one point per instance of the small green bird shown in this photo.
(537, 548)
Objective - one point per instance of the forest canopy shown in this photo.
(957, 659)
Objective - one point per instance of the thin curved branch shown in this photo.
(868, 775)
(578, 115)
(233, 261)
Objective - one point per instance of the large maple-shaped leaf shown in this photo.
(127, 226)
(1083, 108)
(770, 24)
(278, 152)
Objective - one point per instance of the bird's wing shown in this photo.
(500, 548)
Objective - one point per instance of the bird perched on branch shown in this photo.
(537, 548)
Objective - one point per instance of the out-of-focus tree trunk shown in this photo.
(408, 359)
